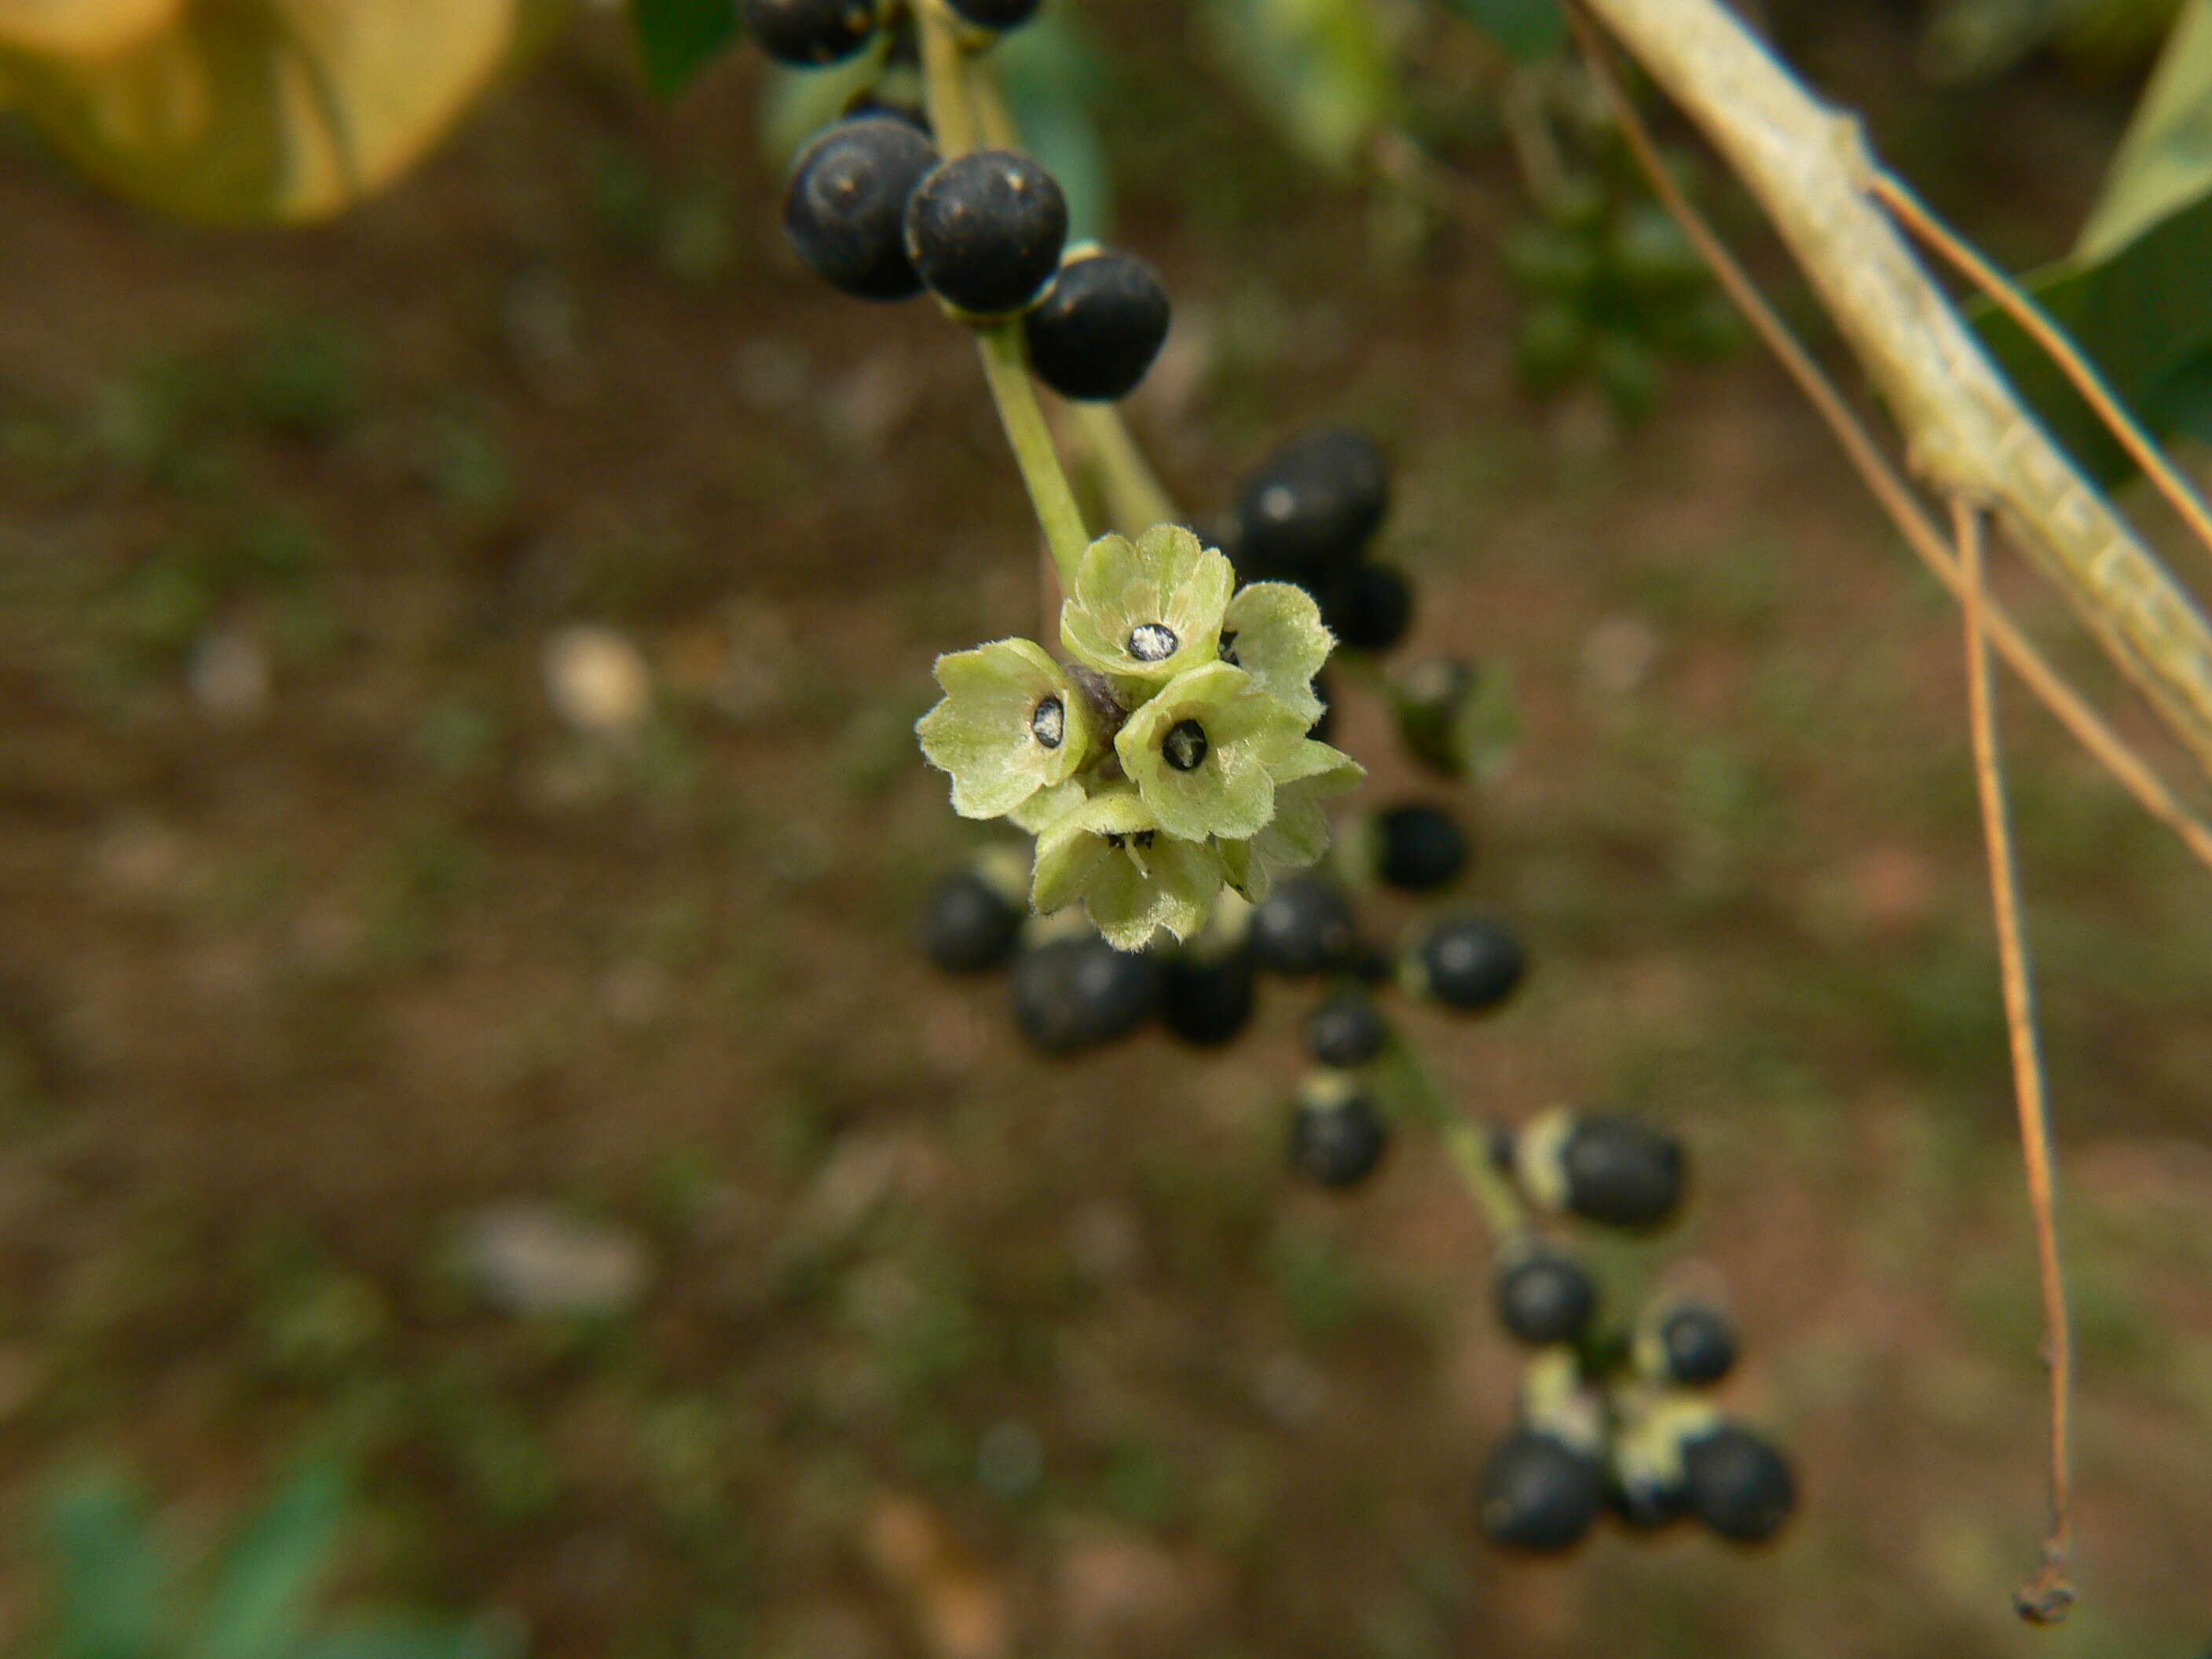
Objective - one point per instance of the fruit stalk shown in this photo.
(953, 112)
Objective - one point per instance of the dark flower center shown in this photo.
(1048, 724)
(1141, 839)
(1228, 647)
(1186, 745)
(1152, 642)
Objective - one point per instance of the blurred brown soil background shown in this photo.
(563, 1125)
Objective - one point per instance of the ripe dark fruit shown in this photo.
(1538, 1493)
(1465, 963)
(1208, 1003)
(809, 32)
(1643, 1506)
(1347, 1031)
(996, 14)
(1074, 994)
(1696, 1345)
(1621, 1173)
(1738, 1485)
(1311, 506)
(985, 231)
(1098, 327)
(845, 207)
(1304, 926)
(1369, 607)
(1337, 1142)
(1417, 848)
(1546, 1296)
(969, 927)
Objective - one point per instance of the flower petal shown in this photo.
(1274, 631)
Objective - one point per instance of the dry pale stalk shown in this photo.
(1966, 431)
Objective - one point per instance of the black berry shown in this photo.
(1696, 1344)
(1539, 1493)
(1609, 1170)
(1419, 847)
(985, 231)
(1645, 1505)
(970, 926)
(1074, 994)
(996, 14)
(1465, 963)
(845, 207)
(1546, 1296)
(1309, 508)
(807, 31)
(1369, 607)
(1337, 1138)
(1304, 926)
(1207, 1002)
(1347, 1031)
(1098, 327)
(1738, 1485)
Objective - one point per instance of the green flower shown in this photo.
(1273, 632)
(1047, 806)
(1203, 749)
(1011, 723)
(1146, 611)
(1132, 876)
(1298, 834)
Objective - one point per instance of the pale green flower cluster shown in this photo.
(1168, 757)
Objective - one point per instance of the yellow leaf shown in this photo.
(282, 110)
(81, 29)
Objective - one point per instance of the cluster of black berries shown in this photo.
(1073, 991)
(1307, 514)
(875, 211)
(1611, 1421)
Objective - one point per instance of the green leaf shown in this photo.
(269, 1574)
(1525, 29)
(1317, 68)
(677, 39)
(112, 1577)
(2165, 163)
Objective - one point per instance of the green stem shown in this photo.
(1134, 490)
(1464, 1138)
(952, 92)
(1006, 365)
(945, 80)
